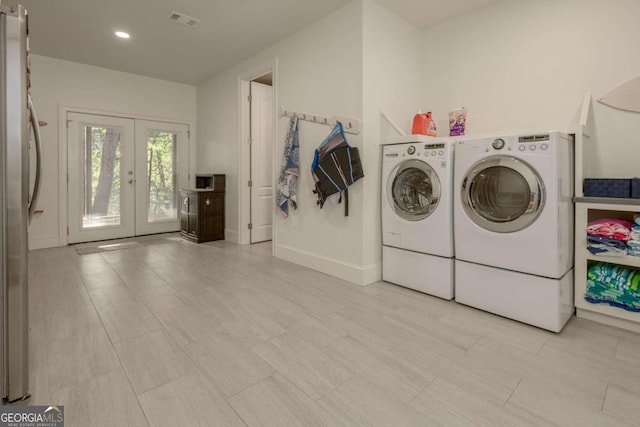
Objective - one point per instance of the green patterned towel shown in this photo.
(603, 293)
(617, 276)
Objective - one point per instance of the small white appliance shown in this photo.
(417, 216)
(513, 218)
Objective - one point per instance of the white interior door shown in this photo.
(261, 162)
(124, 176)
(162, 168)
(100, 177)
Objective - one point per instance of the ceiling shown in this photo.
(230, 31)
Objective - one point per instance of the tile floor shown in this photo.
(222, 335)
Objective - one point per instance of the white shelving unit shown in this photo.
(589, 209)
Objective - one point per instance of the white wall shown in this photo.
(392, 83)
(61, 83)
(522, 64)
(319, 70)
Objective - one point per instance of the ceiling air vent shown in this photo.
(184, 19)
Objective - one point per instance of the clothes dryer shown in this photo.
(417, 216)
(513, 216)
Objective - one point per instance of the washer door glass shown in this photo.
(413, 190)
(502, 194)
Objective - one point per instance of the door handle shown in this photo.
(131, 181)
(36, 136)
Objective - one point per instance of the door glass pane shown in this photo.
(500, 194)
(101, 154)
(161, 176)
(413, 192)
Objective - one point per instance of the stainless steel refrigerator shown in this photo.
(17, 119)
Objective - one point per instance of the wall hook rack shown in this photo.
(349, 125)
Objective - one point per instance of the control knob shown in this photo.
(498, 144)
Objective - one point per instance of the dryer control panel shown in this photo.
(540, 144)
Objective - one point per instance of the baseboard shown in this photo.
(372, 273)
(43, 242)
(351, 273)
(608, 320)
(231, 236)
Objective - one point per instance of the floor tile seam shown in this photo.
(615, 350)
(605, 399)
(534, 379)
(477, 340)
(84, 332)
(400, 368)
(155, 312)
(504, 405)
(115, 341)
(154, 388)
(134, 300)
(202, 371)
(603, 350)
(590, 360)
(315, 401)
(224, 394)
(48, 314)
(423, 390)
(613, 415)
(77, 384)
(117, 355)
(601, 329)
(164, 331)
(516, 409)
(286, 375)
(170, 380)
(46, 367)
(246, 423)
(49, 382)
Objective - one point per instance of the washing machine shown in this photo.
(417, 214)
(513, 218)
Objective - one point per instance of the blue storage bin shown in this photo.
(607, 187)
(635, 188)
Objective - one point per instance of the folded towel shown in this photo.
(615, 228)
(603, 250)
(606, 241)
(633, 245)
(617, 276)
(636, 218)
(598, 292)
(635, 232)
(605, 246)
(633, 252)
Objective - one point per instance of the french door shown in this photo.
(124, 176)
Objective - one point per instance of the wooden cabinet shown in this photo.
(589, 209)
(202, 215)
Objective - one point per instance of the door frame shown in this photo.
(243, 236)
(63, 197)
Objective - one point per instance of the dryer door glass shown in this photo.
(502, 194)
(413, 190)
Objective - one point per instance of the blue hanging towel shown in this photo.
(290, 170)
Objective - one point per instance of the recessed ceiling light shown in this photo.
(122, 34)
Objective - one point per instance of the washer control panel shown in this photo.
(418, 150)
(530, 144)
